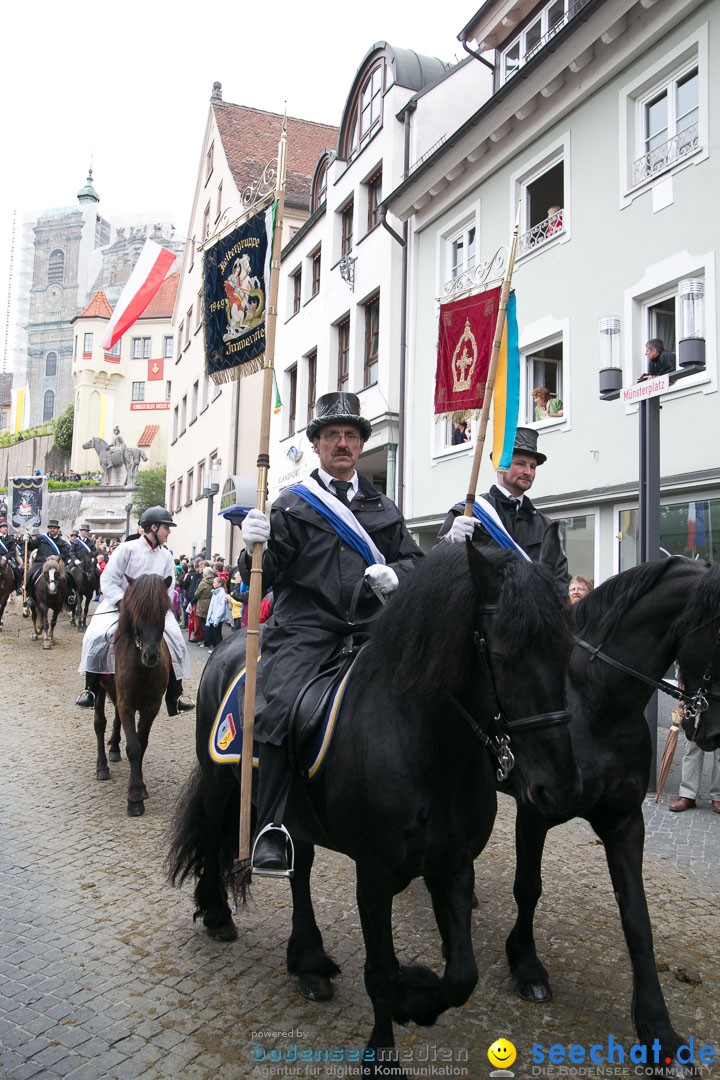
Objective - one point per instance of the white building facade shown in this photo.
(342, 282)
(214, 430)
(602, 127)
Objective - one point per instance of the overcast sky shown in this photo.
(128, 87)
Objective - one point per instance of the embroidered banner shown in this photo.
(27, 500)
(465, 339)
(236, 280)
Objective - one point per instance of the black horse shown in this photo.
(49, 593)
(85, 578)
(409, 787)
(644, 618)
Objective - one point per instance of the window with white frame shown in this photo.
(168, 389)
(168, 348)
(454, 434)
(194, 401)
(664, 115)
(115, 351)
(539, 29)
(138, 391)
(544, 372)
(176, 422)
(461, 252)
(543, 202)
(669, 125)
(141, 348)
(87, 344)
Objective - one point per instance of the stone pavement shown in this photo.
(104, 975)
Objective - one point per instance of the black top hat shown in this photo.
(55, 522)
(85, 527)
(338, 408)
(526, 443)
(3, 521)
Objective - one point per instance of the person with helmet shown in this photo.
(146, 555)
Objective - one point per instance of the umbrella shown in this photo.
(669, 751)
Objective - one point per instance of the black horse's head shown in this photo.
(492, 632)
(698, 655)
(142, 614)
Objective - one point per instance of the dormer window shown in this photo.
(366, 117)
(319, 188)
(538, 31)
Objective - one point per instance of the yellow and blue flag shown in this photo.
(506, 400)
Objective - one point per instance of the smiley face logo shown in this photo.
(502, 1053)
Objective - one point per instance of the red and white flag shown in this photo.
(148, 275)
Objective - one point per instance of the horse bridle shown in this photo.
(495, 735)
(694, 705)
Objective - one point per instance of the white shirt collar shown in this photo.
(509, 494)
(329, 482)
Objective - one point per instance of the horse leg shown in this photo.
(145, 722)
(99, 723)
(53, 621)
(375, 898)
(530, 977)
(306, 956)
(624, 844)
(34, 611)
(135, 804)
(47, 641)
(114, 741)
(420, 995)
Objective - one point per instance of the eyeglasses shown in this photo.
(351, 437)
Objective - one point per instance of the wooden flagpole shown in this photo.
(242, 867)
(492, 370)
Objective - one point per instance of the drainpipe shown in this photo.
(402, 240)
(471, 52)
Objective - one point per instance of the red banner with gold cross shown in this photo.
(465, 340)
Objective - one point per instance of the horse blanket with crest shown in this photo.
(134, 558)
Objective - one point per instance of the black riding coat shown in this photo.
(77, 549)
(526, 525)
(43, 550)
(313, 574)
(9, 542)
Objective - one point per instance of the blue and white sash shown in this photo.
(80, 541)
(341, 517)
(51, 542)
(489, 518)
(6, 550)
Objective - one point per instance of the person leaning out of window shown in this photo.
(547, 407)
(660, 361)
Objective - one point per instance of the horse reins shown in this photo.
(498, 744)
(694, 704)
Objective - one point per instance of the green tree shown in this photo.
(151, 489)
(64, 431)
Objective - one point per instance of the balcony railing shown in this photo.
(542, 232)
(664, 156)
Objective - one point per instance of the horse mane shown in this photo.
(704, 600)
(424, 639)
(145, 602)
(54, 562)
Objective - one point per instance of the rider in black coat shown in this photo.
(8, 547)
(313, 573)
(525, 524)
(45, 545)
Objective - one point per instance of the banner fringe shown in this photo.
(250, 367)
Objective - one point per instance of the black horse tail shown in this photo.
(204, 838)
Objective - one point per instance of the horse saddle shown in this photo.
(312, 720)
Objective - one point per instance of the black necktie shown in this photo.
(341, 490)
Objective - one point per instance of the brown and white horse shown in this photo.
(50, 593)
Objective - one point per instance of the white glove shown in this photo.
(255, 529)
(461, 528)
(381, 578)
(77, 562)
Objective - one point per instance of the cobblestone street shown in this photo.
(105, 975)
